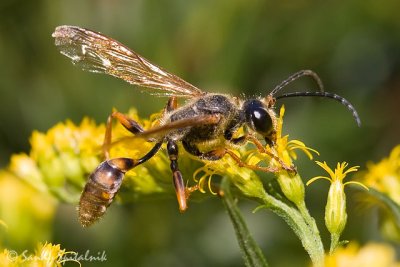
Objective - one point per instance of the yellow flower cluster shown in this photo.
(384, 176)
(46, 255)
(61, 159)
(63, 156)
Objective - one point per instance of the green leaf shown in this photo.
(251, 252)
(392, 206)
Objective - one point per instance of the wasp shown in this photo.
(203, 119)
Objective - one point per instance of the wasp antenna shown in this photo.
(296, 76)
(336, 97)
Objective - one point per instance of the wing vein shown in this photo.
(98, 53)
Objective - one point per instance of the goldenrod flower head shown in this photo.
(292, 186)
(384, 176)
(64, 155)
(243, 178)
(50, 255)
(46, 255)
(335, 211)
(61, 159)
(338, 175)
(370, 255)
(9, 258)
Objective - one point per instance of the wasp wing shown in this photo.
(161, 131)
(96, 52)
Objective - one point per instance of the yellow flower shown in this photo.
(10, 258)
(61, 159)
(370, 255)
(51, 255)
(291, 183)
(335, 211)
(244, 179)
(47, 255)
(384, 176)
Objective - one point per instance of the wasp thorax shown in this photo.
(258, 117)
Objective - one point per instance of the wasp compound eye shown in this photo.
(258, 117)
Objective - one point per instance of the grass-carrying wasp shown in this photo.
(204, 118)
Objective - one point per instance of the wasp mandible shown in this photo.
(203, 118)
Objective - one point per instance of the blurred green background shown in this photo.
(238, 47)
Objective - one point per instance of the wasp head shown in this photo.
(261, 118)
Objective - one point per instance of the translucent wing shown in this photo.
(162, 130)
(95, 52)
(159, 132)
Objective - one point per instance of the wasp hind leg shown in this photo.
(129, 124)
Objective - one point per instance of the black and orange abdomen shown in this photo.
(101, 188)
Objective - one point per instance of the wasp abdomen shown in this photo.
(101, 188)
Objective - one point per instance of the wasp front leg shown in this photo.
(260, 147)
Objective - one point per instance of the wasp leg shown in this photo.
(219, 153)
(262, 149)
(180, 188)
(182, 192)
(104, 183)
(252, 167)
(130, 124)
(172, 104)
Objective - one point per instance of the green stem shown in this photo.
(334, 242)
(251, 252)
(309, 238)
(307, 217)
